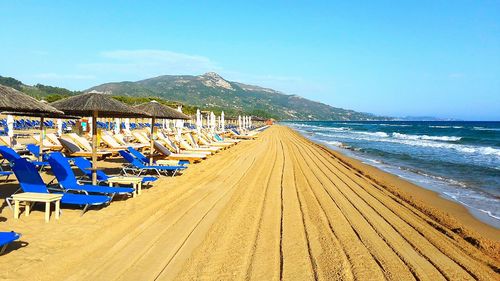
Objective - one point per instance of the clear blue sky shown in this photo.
(438, 58)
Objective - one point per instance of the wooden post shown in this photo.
(40, 153)
(152, 141)
(94, 148)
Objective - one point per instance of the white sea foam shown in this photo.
(375, 134)
(425, 137)
(485, 129)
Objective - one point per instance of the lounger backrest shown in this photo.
(131, 159)
(33, 149)
(62, 170)
(162, 149)
(171, 143)
(81, 141)
(69, 145)
(193, 142)
(109, 140)
(140, 138)
(138, 154)
(84, 165)
(120, 139)
(28, 176)
(53, 138)
(9, 153)
(5, 140)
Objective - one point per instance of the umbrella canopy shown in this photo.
(13, 100)
(24, 105)
(96, 104)
(222, 122)
(159, 111)
(89, 103)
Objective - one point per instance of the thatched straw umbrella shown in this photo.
(158, 111)
(21, 104)
(96, 104)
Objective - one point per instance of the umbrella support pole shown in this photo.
(152, 141)
(94, 148)
(40, 153)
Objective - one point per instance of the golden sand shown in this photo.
(279, 207)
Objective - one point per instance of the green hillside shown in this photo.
(211, 91)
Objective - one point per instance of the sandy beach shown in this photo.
(278, 207)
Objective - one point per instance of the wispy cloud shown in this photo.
(147, 63)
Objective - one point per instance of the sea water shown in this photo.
(459, 160)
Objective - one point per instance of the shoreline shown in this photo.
(278, 207)
(432, 198)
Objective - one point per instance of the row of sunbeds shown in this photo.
(173, 154)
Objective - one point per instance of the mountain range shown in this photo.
(209, 92)
(212, 92)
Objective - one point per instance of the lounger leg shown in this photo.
(58, 209)
(8, 200)
(139, 188)
(27, 209)
(84, 210)
(3, 249)
(16, 209)
(47, 211)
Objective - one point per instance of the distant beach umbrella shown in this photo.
(96, 104)
(59, 127)
(158, 111)
(212, 122)
(198, 121)
(127, 124)
(250, 121)
(222, 122)
(179, 123)
(10, 126)
(239, 122)
(117, 126)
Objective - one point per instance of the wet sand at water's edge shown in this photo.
(279, 207)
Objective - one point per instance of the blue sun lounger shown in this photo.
(30, 181)
(67, 179)
(6, 238)
(137, 167)
(137, 154)
(35, 150)
(10, 155)
(84, 165)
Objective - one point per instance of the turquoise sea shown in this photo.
(459, 160)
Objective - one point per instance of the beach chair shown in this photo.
(85, 145)
(207, 141)
(84, 165)
(137, 167)
(73, 150)
(6, 238)
(47, 143)
(137, 154)
(120, 139)
(5, 174)
(191, 157)
(30, 181)
(67, 179)
(111, 142)
(10, 155)
(141, 138)
(53, 139)
(35, 150)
